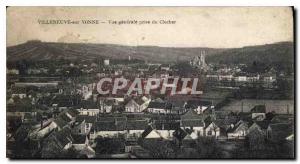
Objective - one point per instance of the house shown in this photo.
(280, 132)
(83, 124)
(184, 136)
(269, 78)
(158, 100)
(110, 127)
(106, 129)
(165, 128)
(106, 106)
(61, 123)
(36, 84)
(64, 102)
(72, 113)
(198, 105)
(79, 141)
(211, 129)
(165, 67)
(178, 107)
(245, 116)
(135, 128)
(258, 112)
(238, 131)
(212, 77)
(191, 120)
(225, 77)
(65, 140)
(151, 133)
(62, 139)
(89, 108)
(143, 68)
(226, 122)
(134, 106)
(137, 104)
(12, 71)
(159, 107)
(89, 111)
(46, 128)
(19, 92)
(86, 91)
(20, 111)
(253, 78)
(241, 78)
(64, 119)
(135, 149)
(117, 98)
(260, 126)
(160, 131)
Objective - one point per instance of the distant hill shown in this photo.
(37, 50)
(282, 52)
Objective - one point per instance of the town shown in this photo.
(55, 110)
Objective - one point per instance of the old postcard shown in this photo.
(150, 83)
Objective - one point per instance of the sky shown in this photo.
(215, 27)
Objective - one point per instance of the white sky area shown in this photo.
(215, 27)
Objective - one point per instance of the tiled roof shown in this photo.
(236, 126)
(73, 112)
(137, 125)
(88, 119)
(160, 105)
(20, 108)
(78, 139)
(190, 114)
(147, 131)
(192, 123)
(166, 125)
(263, 124)
(64, 117)
(109, 126)
(63, 136)
(207, 121)
(259, 109)
(88, 105)
(60, 122)
(179, 134)
(139, 101)
(196, 103)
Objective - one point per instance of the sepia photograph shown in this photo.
(150, 83)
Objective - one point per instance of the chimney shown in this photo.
(42, 121)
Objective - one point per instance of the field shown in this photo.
(245, 105)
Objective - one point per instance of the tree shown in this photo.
(51, 149)
(160, 148)
(255, 140)
(208, 148)
(109, 145)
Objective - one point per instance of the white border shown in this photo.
(4, 3)
(150, 3)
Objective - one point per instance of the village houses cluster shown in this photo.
(67, 113)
